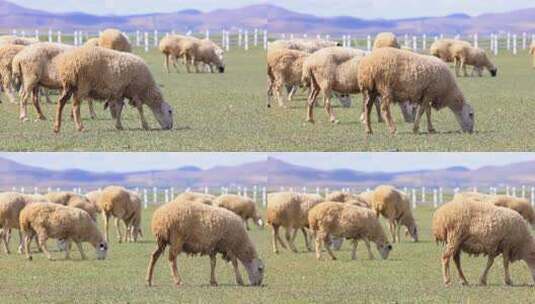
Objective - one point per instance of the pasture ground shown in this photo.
(412, 274)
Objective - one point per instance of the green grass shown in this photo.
(412, 274)
(502, 112)
(212, 112)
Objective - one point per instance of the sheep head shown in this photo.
(465, 117)
(384, 249)
(255, 270)
(164, 114)
(101, 250)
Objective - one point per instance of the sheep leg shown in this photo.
(174, 250)
(307, 241)
(213, 281)
(106, 221)
(318, 242)
(21, 242)
(292, 92)
(367, 244)
(483, 279)
(392, 230)
(144, 123)
(463, 66)
(41, 240)
(46, 92)
(385, 109)
(277, 88)
(457, 64)
(35, 101)
(327, 95)
(4, 237)
(27, 240)
(117, 110)
(67, 249)
(354, 250)
(275, 238)
(430, 127)
(311, 103)
(246, 222)
(368, 100)
(23, 115)
(328, 247)
(91, 109)
(289, 239)
(154, 257)
(166, 62)
(416, 126)
(398, 231)
(65, 95)
(507, 275)
(81, 249)
(377, 103)
(237, 273)
(76, 111)
(119, 232)
(457, 260)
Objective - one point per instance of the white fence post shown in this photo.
(524, 40)
(155, 38)
(424, 42)
(239, 38)
(37, 35)
(154, 195)
(145, 198)
(533, 196)
(369, 43)
(255, 38)
(509, 41)
(246, 40)
(265, 40)
(49, 35)
(514, 44)
(207, 34)
(423, 194)
(138, 38)
(440, 196)
(166, 192)
(413, 198)
(523, 191)
(476, 42)
(264, 196)
(146, 42)
(406, 40)
(59, 36)
(414, 44)
(435, 198)
(496, 44)
(172, 193)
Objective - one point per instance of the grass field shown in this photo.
(212, 112)
(503, 114)
(412, 274)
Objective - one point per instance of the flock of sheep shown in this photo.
(102, 69)
(203, 224)
(389, 74)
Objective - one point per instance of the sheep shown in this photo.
(346, 197)
(105, 74)
(395, 206)
(464, 54)
(385, 39)
(520, 205)
(203, 198)
(11, 204)
(442, 48)
(195, 228)
(242, 206)
(284, 67)
(306, 45)
(206, 52)
(289, 210)
(74, 200)
(93, 197)
(49, 220)
(477, 227)
(347, 221)
(398, 75)
(331, 69)
(366, 196)
(7, 53)
(124, 205)
(115, 40)
(92, 42)
(173, 47)
(532, 52)
(17, 40)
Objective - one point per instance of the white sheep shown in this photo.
(477, 227)
(124, 205)
(109, 75)
(347, 221)
(203, 198)
(48, 220)
(205, 51)
(74, 200)
(194, 228)
(464, 54)
(7, 53)
(397, 76)
(385, 39)
(284, 68)
(11, 204)
(305, 45)
(115, 40)
(243, 206)
(173, 47)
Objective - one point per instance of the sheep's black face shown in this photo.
(493, 72)
(102, 250)
(221, 69)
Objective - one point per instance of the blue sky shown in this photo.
(359, 161)
(358, 8)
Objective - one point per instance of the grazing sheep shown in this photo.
(11, 204)
(289, 210)
(520, 205)
(476, 228)
(347, 221)
(397, 75)
(532, 52)
(93, 197)
(284, 67)
(74, 200)
(395, 206)
(329, 70)
(48, 220)
(242, 206)
(203, 198)
(306, 45)
(7, 53)
(124, 205)
(195, 228)
(35, 66)
(203, 51)
(464, 54)
(115, 40)
(443, 48)
(17, 40)
(173, 47)
(385, 39)
(109, 75)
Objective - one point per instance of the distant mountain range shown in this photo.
(265, 16)
(271, 172)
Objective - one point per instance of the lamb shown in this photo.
(7, 53)
(48, 220)
(532, 52)
(124, 205)
(74, 200)
(109, 75)
(306, 45)
(115, 40)
(198, 197)
(398, 75)
(206, 52)
(331, 69)
(350, 222)
(395, 206)
(464, 54)
(520, 205)
(284, 67)
(385, 39)
(242, 206)
(289, 210)
(476, 228)
(195, 228)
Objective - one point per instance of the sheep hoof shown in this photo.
(482, 283)
(30, 258)
(508, 282)
(333, 258)
(432, 131)
(213, 283)
(310, 120)
(465, 283)
(335, 121)
(24, 119)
